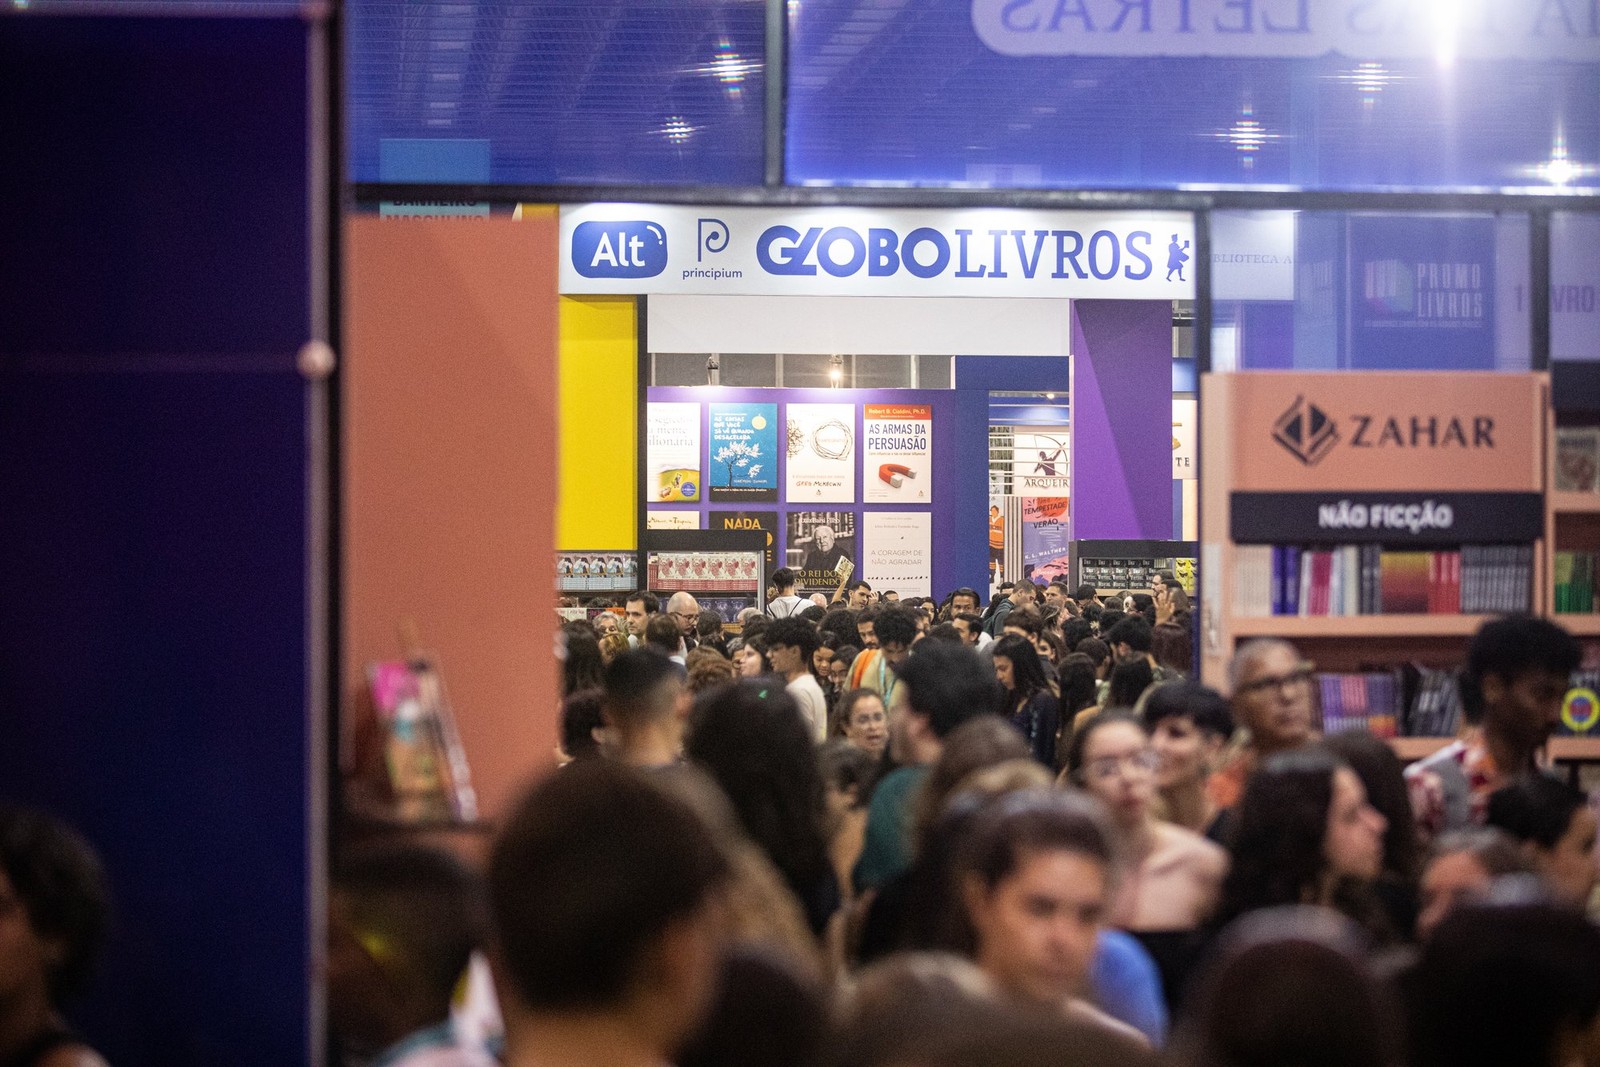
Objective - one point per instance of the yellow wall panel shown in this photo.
(599, 378)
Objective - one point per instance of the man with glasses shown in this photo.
(1271, 685)
(685, 611)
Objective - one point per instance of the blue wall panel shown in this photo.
(152, 468)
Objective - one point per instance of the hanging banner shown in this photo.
(744, 452)
(672, 449)
(897, 453)
(1045, 539)
(822, 547)
(1039, 462)
(897, 551)
(1185, 419)
(821, 454)
(858, 251)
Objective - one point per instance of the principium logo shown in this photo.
(619, 249)
(1306, 431)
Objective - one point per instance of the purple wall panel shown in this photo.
(1121, 404)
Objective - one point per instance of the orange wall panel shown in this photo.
(450, 440)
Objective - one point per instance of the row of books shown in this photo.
(1574, 581)
(1370, 580)
(1369, 701)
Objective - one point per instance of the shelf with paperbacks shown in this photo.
(1291, 627)
(1572, 530)
(1561, 750)
(1412, 495)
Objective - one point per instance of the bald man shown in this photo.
(685, 611)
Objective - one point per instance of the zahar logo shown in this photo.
(619, 249)
(1306, 431)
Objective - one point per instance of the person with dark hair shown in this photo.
(936, 690)
(1272, 688)
(895, 630)
(1463, 868)
(1109, 618)
(787, 602)
(855, 594)
(841, 623)
(1517, 673)
(1172, 650)
(1555, 825)
(844, 657)
(1024, 622)
(1189, 724)
(1056, 594)
(948, 633)
(639, 607)
(970, 626)
(1022, 594)
(1129, 637)
(645, 707)
(764, 1012)
(750, 658)
(965, 601)
(1085, 595)
(1503, 984)
(402, 923)
(54, 913)
(756, 745)
(582, 723)
(848, 776)
(1290, 986)
(1098, 654)
(708, 632)
(790, 645)
(862, 719)
(582, 664)
(1305, 834)
(1036, 872)
(661, 634)
(1129, 680)
(1382, 776)
(604, 889)
(1030, 703)
(866, 627)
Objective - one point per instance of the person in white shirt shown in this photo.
(786, 603)
(790, 645)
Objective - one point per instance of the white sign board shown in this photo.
(855, 251)
(1039, 462)
(1252, 255)
(897, 551)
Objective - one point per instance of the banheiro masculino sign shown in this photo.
(641, 248)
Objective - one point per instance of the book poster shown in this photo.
(1039, 462)
(765, 521)
(672, 452)
(897, 452)
(897, 551)
(821, 545)
(744, 452)
(1044, 538)
(821, 454)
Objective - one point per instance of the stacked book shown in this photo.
(1369, 580)
(1574, 578)
(1368, 701)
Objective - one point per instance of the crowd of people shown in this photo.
(886, 832)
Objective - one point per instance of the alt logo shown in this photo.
(619, 249)
(1306, 431)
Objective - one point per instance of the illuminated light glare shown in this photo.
(677, 129)
(1447, 31)
(728, 66)
(1560, 169)
(835, 369)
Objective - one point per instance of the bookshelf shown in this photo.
(1385, 472)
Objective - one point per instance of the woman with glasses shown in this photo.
(1030, 700)
(1172, 876)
